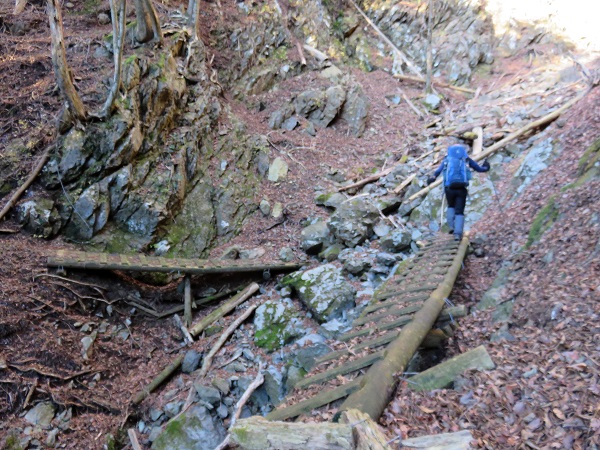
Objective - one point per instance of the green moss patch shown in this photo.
(543, 221)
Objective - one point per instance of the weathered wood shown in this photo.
(366, 433)
(135, 444)
(38, 168)
(443, 374)
(257, 433)
(345, 368)
(461, 440)
(405, 183)
(388, 312)
(187, 301)
(187, 337)
(225, 308)
(380, 381)
(317, 401)
(223, 338)
(511, 137)
(455, 311)
(158, 380)
(438, 83)
(478, 142)
(372, 344)
(139, 262)
(366, 180)
(386, 304)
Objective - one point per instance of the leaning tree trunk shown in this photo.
(59, 62)
(117, 12)
(428, 88)
(148, 25)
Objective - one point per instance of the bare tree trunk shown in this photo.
(148, 25)
(430, 7)
(117, 12)
(59, 62)
(196, 19)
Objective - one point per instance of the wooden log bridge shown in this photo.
(139, 262)
(366, 362)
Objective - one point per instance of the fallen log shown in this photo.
(478, 142)
(369, 179)
(225, 308)
(379, 383)
(366, 434)
(438, 83)
(511, 137)
(27, 183)
(258, 433)
(440, 376)
(158, 380)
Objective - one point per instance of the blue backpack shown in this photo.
(456, 172)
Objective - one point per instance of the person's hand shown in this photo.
(430, 179)
(486, 165)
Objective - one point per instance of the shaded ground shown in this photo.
(545, 391)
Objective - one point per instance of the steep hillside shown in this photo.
(242, 145)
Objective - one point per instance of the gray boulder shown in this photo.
(356, 110)
(195, 429)
(352, 223)
(396, 241)
(323, 290)
(314, 236)
(41, 414)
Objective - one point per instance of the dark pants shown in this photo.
(457, 198)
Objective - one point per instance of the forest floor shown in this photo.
(545, 390)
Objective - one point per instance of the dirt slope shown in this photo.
(545, 390)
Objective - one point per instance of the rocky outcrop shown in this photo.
(144, 174)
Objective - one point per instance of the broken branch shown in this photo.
(224, 336)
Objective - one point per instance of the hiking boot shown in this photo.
(459, 222)
(450, 219)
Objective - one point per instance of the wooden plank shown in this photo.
(386, 304)
(387, 313)
(372, 343)
(460, 440)
(348, 367)
(86, 260)
(322, 398)
(445, 373)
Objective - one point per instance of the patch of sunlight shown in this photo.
(574, 20)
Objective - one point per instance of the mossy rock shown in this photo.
(323, 290)
(543, 221)
(277, 323)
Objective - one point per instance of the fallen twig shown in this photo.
(157, 381)
(367, 180)
(27, 183)
(224, 336)
(258, 381)
(133, 439)
(187, 337)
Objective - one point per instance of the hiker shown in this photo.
(456, 181)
